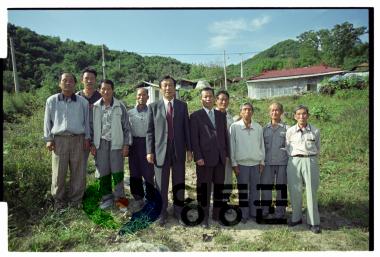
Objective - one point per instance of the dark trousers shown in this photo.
(140, 169)
(205, 177)
(162, 174)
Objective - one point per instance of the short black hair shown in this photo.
(246, 104)
(207, 89)
(142, 88)
(89, 70)
(301, 106)
(166, 77)
(222, 92)
(106, 81)
(72, 75)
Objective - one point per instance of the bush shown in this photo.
(350, 82)
(320, 113)
(14, 105)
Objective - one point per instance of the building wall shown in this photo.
(155, 95)
(267, 89)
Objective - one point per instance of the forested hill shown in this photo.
(284, 54)
(340, 46)
(40, 59)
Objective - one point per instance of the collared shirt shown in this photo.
(95, 97)
(138, 120)
(229, 119)
(247, 144)
(211, 115)
(66, 116)
(106, 122)
(275, 141)
(305, 141)
(166, 102)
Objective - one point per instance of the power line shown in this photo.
(221, 54)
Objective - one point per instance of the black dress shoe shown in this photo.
(162, 220)
(180, 222)
(292, 224)
(316, 229)
(205, 224)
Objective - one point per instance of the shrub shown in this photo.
(350, 82)
(320, 112)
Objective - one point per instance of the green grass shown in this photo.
(343, 193)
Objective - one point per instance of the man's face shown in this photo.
(207, 98)
(67, 83)
(106, 92)
(275, 112)
(246, 112)
(89, 80)
(301, 117)
(222, 102)
(167, 89)
(142, 97)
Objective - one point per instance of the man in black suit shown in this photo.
(167, 142)
(209, 142)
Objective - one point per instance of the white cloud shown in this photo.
(219, 41)
(226, 31)
(226, 27)
(259, 22)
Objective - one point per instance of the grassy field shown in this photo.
(343, 194)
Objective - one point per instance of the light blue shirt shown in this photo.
(138, 121)
(211, 115)
(66, 116)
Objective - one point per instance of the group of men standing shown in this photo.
(161, 136)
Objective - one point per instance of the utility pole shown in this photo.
(103, 63)
(15, 77)
(225, 71)
(241, 67)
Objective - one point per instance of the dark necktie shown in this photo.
(169, 119)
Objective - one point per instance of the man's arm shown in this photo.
(87, 134)
(126, 130)
(187, 134)
(195, 144)
(47, 127)
(234, 164)
(150, 136)
(227, 141)
(318, 140)
(86, 120)
(187, 129)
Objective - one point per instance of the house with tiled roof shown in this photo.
(154, 92)
(288, 81)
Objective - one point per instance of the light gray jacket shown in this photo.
(120, 129)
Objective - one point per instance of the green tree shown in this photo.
(309, 48)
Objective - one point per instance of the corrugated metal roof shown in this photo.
(317, 70)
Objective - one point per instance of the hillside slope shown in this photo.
(343, 193)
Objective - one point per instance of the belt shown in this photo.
(67, 135)
(139, 138)
(302, 155)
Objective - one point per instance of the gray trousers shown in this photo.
(273, 175)
(110, 164)
(162, 175)
(250, 176)
(228, 177)
(68, 153)
(86, 154)
(304, 170)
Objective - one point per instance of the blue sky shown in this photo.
(176, 32)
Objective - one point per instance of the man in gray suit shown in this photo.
(167, 142)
